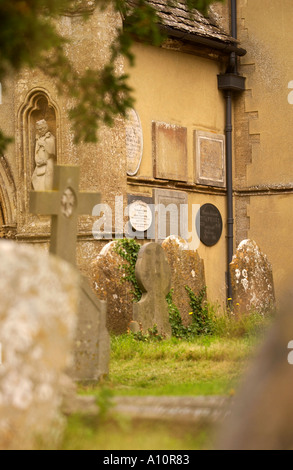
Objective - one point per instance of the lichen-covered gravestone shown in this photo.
(252, 280)
(187, 269)
(154, 278)
(110, 284)
(38, 314)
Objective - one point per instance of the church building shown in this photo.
(209, 137)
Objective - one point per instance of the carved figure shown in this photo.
(45, 156)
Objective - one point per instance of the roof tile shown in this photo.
(180, 19)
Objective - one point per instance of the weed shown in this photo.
(128, 249)
(151, 335)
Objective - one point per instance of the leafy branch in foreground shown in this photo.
(29, 38)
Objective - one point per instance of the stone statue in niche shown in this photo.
(45, 157)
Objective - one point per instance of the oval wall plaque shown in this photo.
(134, 142)
(140, 216)
(211, 224)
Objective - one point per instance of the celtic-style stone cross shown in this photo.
(64, 203)
(153, 275)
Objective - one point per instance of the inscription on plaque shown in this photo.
(211, 225)
(140, 216)
(210, 159)
(134, 142)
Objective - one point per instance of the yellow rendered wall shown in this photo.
(264, 138)
(181, 89)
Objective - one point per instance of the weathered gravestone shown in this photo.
(110, 284)
(38, 314)
(262, 415)
(154, 278)
(252, 279)
(187, 269)
(65, 203)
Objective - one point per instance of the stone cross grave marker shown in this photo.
(64, 203)
(154, 278)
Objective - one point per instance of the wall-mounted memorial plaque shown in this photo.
(171, 213)
(134, 142)
(170, 151)
(210, 166)
(211, 224)
(141, 216)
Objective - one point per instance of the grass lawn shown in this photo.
(202, 366)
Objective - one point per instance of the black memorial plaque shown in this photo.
(211, 225)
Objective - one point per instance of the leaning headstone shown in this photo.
(92, 340)
(187, 269)
(154, 278)
(64, 204)
(252, 280)
(38, 312)
(110, 285)
(262, 415)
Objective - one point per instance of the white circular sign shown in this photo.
(140, 216)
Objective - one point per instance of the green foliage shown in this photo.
(128, 249)
(178, 329)
(202, 321)
(206, 319)
(29, 38)
(151, 335)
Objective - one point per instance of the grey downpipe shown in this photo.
(229, 176)
(229, 155)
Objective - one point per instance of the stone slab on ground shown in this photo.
(208, 409)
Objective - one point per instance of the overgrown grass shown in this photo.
(201, 365)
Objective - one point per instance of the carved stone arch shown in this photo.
(7, 194)
(38, 105)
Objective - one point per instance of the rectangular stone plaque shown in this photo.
(210, 161)
(170, 151)
(171, 218)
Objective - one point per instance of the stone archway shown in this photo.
(7, 197)
(1, 222)
(37, 106)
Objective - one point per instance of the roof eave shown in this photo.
(227, 47)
